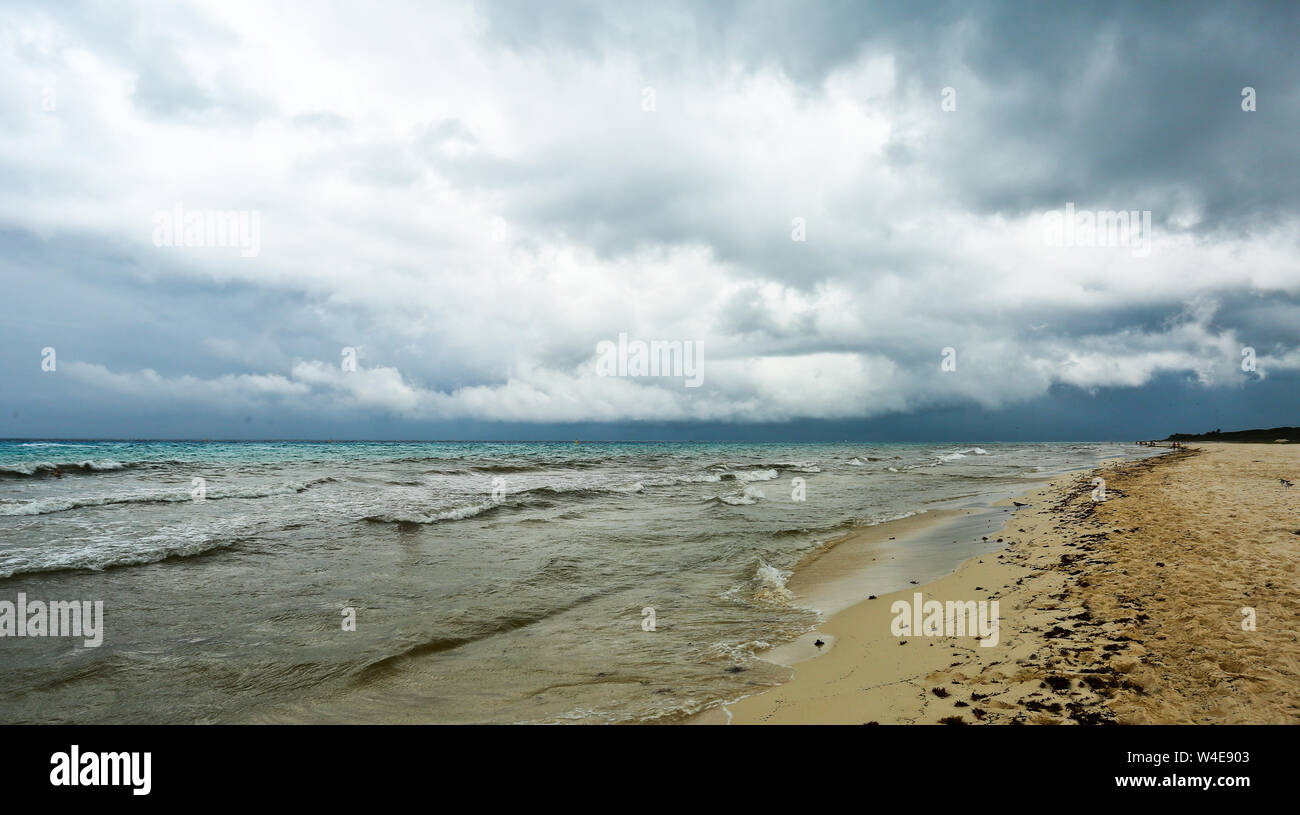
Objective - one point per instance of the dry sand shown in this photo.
(1127, 610)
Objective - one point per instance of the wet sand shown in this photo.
(1126, 610)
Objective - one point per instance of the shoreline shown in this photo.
(1069, 650)
(880, 560)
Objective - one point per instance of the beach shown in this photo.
(1127, 610)
(468, 582)
(389, 582)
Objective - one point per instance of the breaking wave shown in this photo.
(766, 586)
(104, 554)
(750, 495)
(42, 469)
(458, 513)
(750, 475)
(48, 506)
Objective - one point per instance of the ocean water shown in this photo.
(490, 582)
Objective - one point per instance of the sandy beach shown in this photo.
(1124, 610)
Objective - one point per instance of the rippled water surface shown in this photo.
(495, 582)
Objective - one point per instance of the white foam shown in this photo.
(103, 552)
(751, 495)
(46, 506)
(701, 478)
(737, 651)
(33, 467)
(454, 514)
(107, 464)
(770, 584)
(755, 475)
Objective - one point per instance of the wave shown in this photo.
(49, 506)
(43, 469)
(391, 664)
(797, 466)
(973, 451)
(749, 475)
(766, 586)
(456, 466)
(826, 529)
(96, 562)
(536, 497)
(457, 513)
(507, 468)
(532, 467)
(105, 555)
(835, 529)
(736, 652)
(483, 629)
(751, 495)
(578, 492)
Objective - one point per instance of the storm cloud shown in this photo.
(843, 204)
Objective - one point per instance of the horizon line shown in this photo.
(552, 441)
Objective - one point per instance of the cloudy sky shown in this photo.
(820, 197)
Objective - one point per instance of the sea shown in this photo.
(448, 582)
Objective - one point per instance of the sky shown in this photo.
(856, 221)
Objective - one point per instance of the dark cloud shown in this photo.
(476, 214)
(1109, 105)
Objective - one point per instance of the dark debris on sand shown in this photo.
(1079, 654)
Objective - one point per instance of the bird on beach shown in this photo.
(1287, 483)
(819, 643)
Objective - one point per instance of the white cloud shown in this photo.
(383, 150)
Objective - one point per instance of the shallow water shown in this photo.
(491, 582)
